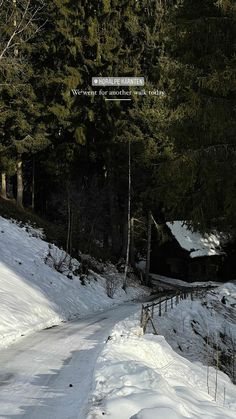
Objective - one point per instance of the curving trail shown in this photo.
(49, 375)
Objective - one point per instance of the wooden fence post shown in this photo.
(153, 326)
(147, 312)
(145, 321)
(141, 318)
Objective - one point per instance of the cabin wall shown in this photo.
(204, 268)
(169, 259)
(228, 269)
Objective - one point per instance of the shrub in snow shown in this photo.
(227, 352)
(133, 272)
(61, 261)
(111, 286)
(91, 263)
(32, 230)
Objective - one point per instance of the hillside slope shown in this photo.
(36, 296)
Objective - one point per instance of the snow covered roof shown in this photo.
(197, 244)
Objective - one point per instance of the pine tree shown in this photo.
(21, 130)
(198, 75)
(90, 135)
(121, 40)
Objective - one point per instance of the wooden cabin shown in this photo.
(187, 255)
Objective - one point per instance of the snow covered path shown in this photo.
(36, 373)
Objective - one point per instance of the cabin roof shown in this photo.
(197, 244)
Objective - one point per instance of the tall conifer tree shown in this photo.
(103, 38)
(21, 130)
(199, 77)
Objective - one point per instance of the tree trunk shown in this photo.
(114, 224)
(20, 188)
(105, 243)
(71, 230)
(132, 249)
(33, 185)
(19, 173)
(3, 185)
(124, 244)
(16, 52)
(128, 221)
(149, 240)
(68, 240)
(124, 229)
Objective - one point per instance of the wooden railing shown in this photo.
(165, 304)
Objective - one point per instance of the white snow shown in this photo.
(48, 375)
(142, 377)
(202, 328)
(179, 283)
(33, 295)
(196, 243)
(133, 376)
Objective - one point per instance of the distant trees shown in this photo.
(21, 130)
(67, 156)
(198, 71)
(89, 135)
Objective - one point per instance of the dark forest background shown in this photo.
(65, 158)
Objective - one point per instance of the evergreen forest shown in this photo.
(94, 170)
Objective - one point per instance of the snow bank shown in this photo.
(141, 377)
(34, 295)
(197, 244)
(205, 328)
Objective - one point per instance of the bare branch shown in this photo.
(8, 45)
(29, 17)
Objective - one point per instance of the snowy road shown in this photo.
(36, 373)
